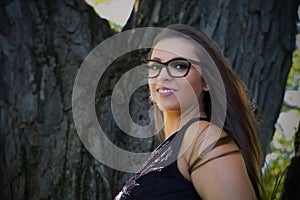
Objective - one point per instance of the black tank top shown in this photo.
(160, 178)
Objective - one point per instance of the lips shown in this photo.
(164, 91)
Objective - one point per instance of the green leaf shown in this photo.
(102, 1)
(293, 82)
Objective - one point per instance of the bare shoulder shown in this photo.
(198, 138)
(223, 178)
(193, 136)
(217, 169)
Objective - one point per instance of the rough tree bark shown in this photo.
(42, 45)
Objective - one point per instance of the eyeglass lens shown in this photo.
(175, 68)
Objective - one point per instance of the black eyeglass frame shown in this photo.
(166, 65)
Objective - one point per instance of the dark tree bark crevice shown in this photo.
(40, 53)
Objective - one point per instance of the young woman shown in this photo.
(209, 146)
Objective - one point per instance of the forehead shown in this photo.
(174, 47)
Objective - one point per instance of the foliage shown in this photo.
(293, 82)
(277, 162)
(281, 148)
(102, 1)
(115, 26)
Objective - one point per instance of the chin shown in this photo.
(170, 108)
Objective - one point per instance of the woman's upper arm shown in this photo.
(224, 177)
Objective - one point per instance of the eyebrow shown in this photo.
(193, 62)
(175, 58)
(155, 58)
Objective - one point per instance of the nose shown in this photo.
(163, 75)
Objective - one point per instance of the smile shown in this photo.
(165, 91)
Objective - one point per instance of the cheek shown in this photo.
(196, 83)
(151, 88)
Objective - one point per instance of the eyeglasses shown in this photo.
(176, 67)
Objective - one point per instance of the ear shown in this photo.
(206, 88)
(150, 97)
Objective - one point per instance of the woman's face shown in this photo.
(176, 94)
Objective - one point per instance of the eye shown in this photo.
(179, 65)
(153, 66)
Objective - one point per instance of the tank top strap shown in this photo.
(176, 141)
(221, 141)
(190, 122)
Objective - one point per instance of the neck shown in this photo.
(174, 120)
(171, 123)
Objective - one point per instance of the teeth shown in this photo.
(165, 91)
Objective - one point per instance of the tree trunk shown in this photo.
(42, 45)
(257, 36)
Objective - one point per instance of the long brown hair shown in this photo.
(239, 122)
